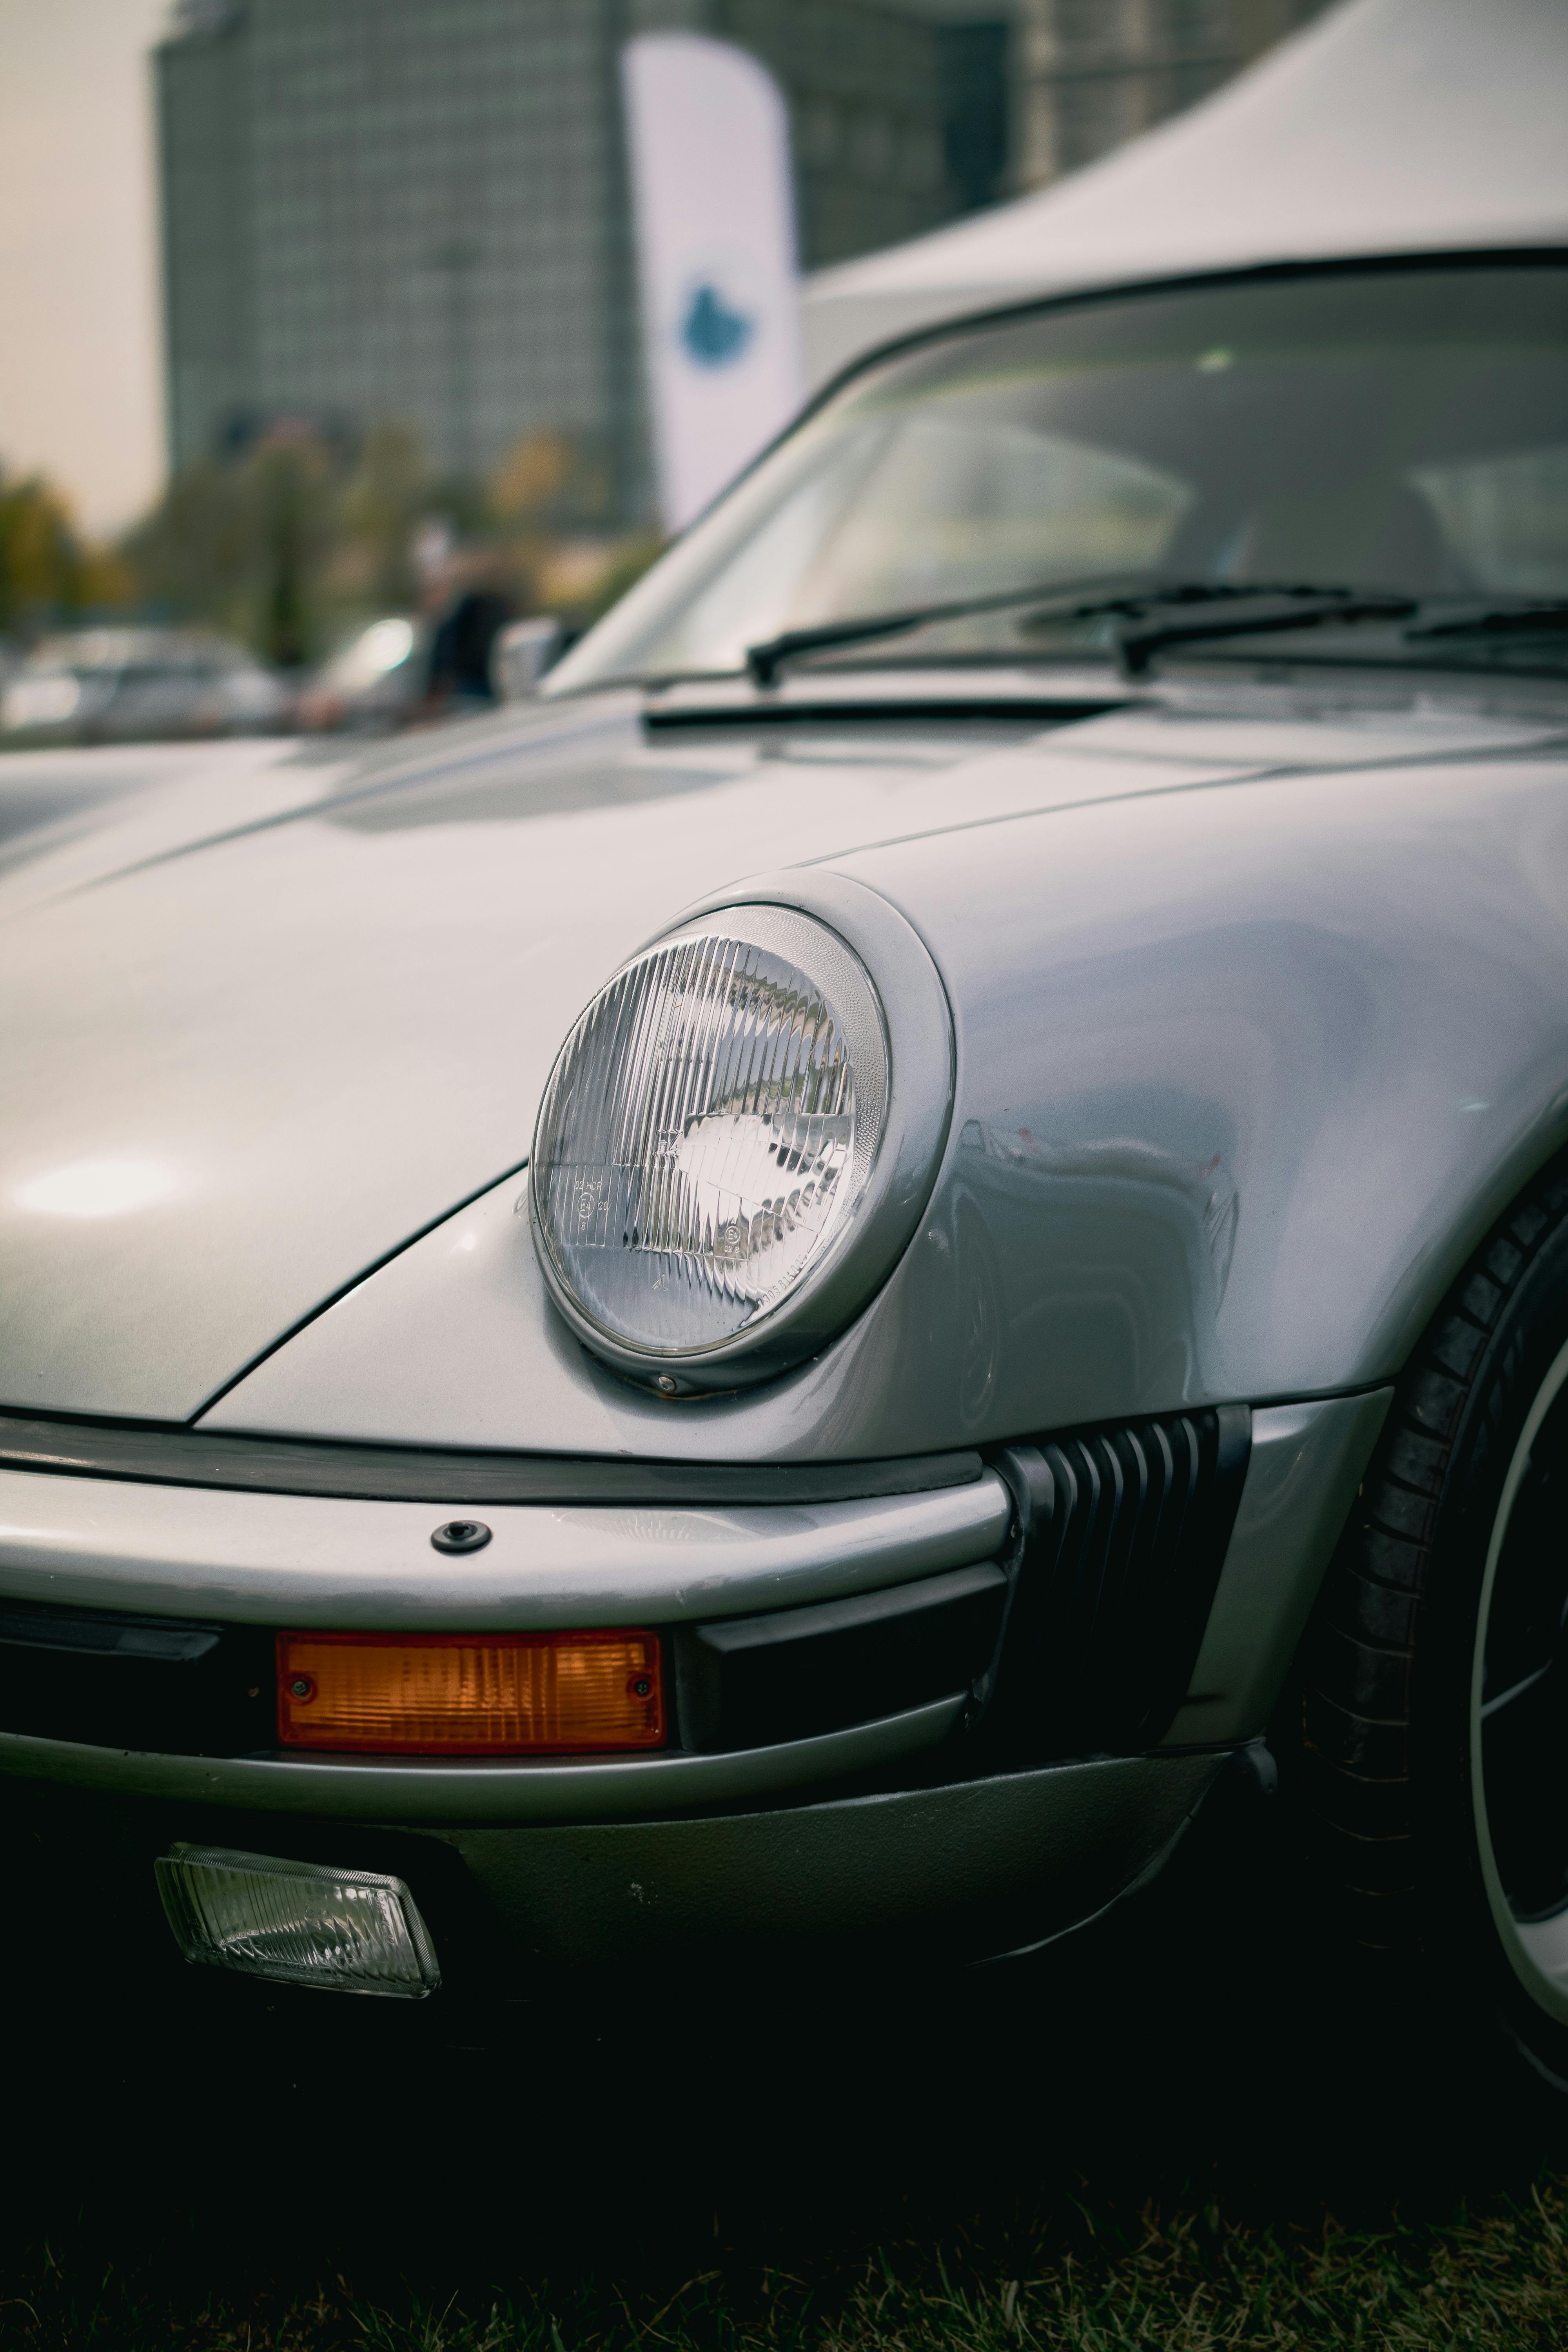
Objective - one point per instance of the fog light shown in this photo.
(296, 1922)
(470, 1693)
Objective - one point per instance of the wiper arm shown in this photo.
(1060, 600)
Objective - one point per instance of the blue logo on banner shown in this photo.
(712, 331)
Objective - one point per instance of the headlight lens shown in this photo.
(709, 1130)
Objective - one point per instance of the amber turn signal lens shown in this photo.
(468, 1694)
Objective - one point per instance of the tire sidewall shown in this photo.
(1459, 1933)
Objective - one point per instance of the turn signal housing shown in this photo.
(471, 1694)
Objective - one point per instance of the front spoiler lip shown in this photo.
(940, 1872)
(544, 1789)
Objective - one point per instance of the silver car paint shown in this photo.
(962, 1871)
(1243, 1070)
(323, 1029)
(1259, 1014)
(300, 1559)
(314, 1035)
(1307, 1462)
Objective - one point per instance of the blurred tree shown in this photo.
(243, 548)
(191, 556)
(530, 476)
(47, 573)
(549, 498)
(579, 579)
(556, 481)
(292, 547)
(386, 496)
(289, 495)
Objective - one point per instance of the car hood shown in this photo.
(253, 1047)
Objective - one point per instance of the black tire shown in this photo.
(1431, 1749)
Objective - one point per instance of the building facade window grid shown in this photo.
(386, 211)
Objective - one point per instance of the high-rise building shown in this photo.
(416, 210)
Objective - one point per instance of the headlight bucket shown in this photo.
(735, 1144)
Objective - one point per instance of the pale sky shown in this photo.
(81, 377)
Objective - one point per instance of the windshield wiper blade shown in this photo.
(1136, 647)
(765, 660)
(1062, 601)
(1540, 613)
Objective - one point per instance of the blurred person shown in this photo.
(461, 648)
(469, 609)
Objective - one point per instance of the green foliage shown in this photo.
(381, 506)
(291, 546)
(287, 490)
(48, 574)
(245, 548)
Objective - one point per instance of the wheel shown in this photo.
(1432, 1764)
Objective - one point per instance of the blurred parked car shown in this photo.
(373, 682)
(120, 685)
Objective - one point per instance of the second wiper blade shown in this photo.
(765, 660)
(1096, 599)
(1301, 608)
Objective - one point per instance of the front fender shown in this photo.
(1242, 1075)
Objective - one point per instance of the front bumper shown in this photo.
(905, 1826)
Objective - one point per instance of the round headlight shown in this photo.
(708, 1132)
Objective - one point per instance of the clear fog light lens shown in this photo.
(296, 1922)
(708, 1129)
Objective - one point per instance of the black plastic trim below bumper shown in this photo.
(751, 1682)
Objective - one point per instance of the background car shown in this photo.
(373, 683)
(114, 686)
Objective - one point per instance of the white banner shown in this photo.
(708, 137)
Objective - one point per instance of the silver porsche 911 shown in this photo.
(791, 1299)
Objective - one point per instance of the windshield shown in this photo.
(1400, 429)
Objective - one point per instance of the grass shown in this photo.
(1182, 2277)
(1185, 2146)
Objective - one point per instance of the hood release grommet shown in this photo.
(461, 1535)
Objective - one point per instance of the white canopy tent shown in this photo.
(1386, 126)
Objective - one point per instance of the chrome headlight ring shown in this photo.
(741, 1132)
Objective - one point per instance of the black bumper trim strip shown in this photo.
(274, 1465)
